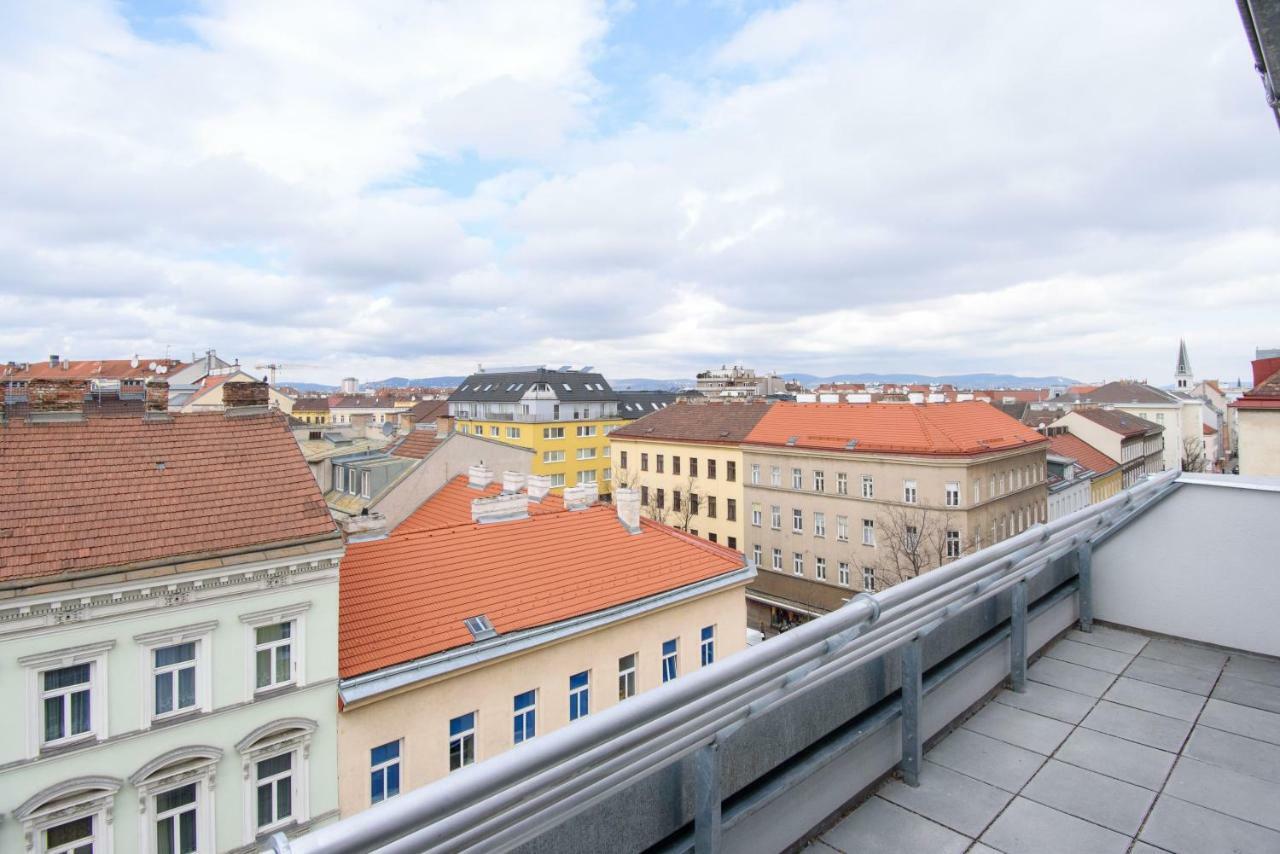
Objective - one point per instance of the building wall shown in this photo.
(420, 715)
(720, 529)
(234, 712)
(1258, 441)
(1069, 499)
(536, 436)
(1106, 486)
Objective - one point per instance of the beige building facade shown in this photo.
(692, 487)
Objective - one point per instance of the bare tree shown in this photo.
(1193, 453)
(682, 512)
(653, 508)
(914, 540)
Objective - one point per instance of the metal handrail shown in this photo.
(513, 796)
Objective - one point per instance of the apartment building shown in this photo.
(498, 613)
(1258, 420)
(168, 626)
(312, 410)
(1177, 412)
(1136, 443)
(1105, 475)
(686, 461)
(842, 498)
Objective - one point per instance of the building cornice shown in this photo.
(905, 458)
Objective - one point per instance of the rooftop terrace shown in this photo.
(975, 708)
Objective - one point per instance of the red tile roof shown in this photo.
(933, 429)
(1210, 430)
(311, 404)
(90, 369)
(417, 444)
(697, 422)
(1266, 392)
(1119, 421)
(451, 505)
(520, 574)
(115, 492)
(428, 410)
(1067, 445)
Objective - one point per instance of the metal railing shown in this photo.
(513, 797)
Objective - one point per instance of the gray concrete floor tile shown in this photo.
(1116, 757)
(1246, 692)
(1191, 679)
(1137, 725)
(1043, 699)
(1087, 655)
(1026, 827)
(817, 846)
(1144, 848)
(1019, 727)
(949, 798)
(1228, 750)
(987, 759)
(979, 848)
(1185, 828)
(1072, 677)
(879, 826)
(1086, 794)
(1155, 698)
(1186, 654)
(1242, 720)
(1226, 791)
(1109, 638)
(1262, 670)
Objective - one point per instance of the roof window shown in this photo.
(480, 627)
(566, 387)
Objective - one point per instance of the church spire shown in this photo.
(1182, 374)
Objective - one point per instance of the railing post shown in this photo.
(1084, 568)
(706, 800)
(912, 686)
(1018, 639)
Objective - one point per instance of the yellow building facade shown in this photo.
(569, 452)
(1106, 486)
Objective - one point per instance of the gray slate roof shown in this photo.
(511, 386)
(636, 404)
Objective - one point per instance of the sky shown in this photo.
(652, 188)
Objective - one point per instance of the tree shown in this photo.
(1193, 453)
(913, 540)
(682, 513)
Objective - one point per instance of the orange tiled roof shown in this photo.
(1265, 393)
(417, 444)
(89, 369)
(934, 429)
(94, 495)
(451, 505)
(520, 574)
(1082, 452)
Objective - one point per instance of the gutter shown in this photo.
(368, 685)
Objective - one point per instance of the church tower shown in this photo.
(1182, 376)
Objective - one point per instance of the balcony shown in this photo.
(1107, 677)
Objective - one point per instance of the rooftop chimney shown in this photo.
(244, 398)
(512, 481)
(156, 397)
(538, 486)
(53, 360)
(56, 400)
(500, 508)
(580, 497)
(628, 504)
(479, 476)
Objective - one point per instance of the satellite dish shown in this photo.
(151, 367)
(133, 363)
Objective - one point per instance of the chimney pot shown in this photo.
(512, 481)
(580, 497)
(500, 508)
(538, 485)
(479, 476)
(628, 503)
(53, 360)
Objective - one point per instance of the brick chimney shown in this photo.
(628, 504)
(512, 481)
(479, 476)
(242, 395)
(56, 400)
(156, 400)
(580, 497)
(538, 486)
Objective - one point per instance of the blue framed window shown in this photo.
(579, 695)
(462, 741)
(526, 715)
(708, 647)
(670, 659)
(384, 771)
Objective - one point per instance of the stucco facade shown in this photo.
(569, 452)
(1258, 441)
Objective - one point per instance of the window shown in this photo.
(977, 490)
(174, 679)
(586, 430)
(623, 459)
(731, 509)
(797, 479)
(775, 517)
(842, 484)
(339, 479)
(590, 454)
(757, 517)
(713, 537)
(733, 542)
(364, 484)
(797, 563)
(553, 432)
(606, 473)
(909, 491)
(868, 487)
(658, 467)
(707, 648)
(525, 708)
(797, 520)
(693, 504)
(819, 524)
(757, 554)
(868, 579)
(953, 494)
(868, 532)
(553, 456)
(711, 507)
(675, 500)
(953, 544)
(755, 472)
(73, 837)
(670, 659)
(557, 479)
(777, 559)
(586, 476)
(993, 486)
(842, 528)
(174, 793)
(819, 481)
(711, 469)
(273, 655)
(493, 430)
(579, 695)
(820, 568)
(627, 676)
(273, 784)
(644, 496)
(65, 700)
(675, 464)
(462, 741)
(661, 499)
(644, 462)
(912, 539)
(775, 476)
(384, 771)
(513, 432)
(693, 466)
(843, 576)
(730, 471)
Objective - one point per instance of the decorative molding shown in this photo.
(165, 637)
(66, 656)
(257, 740)
(275, 615)
(186, 757)
(93, 786)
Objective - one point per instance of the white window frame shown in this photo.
(777, 559)
(95, 655)
(952, 538)
(175, 769)
(586, 453)
(868, 486)
(557, 479)
(869, 532)
(755, 473)
(673, 657)
(757, 515)
(775, 475)
(757, 554)
(529, 714)
(797, 520)
(364, 484)
(842, 573)
(68, 801)
(297, 614)
(580, 690)
(461, 738)
(820, 568)
(707, 646)
(868, 579)
(775, 517)
(383, 766)
(628, 676)
(550, 433)
(842, 528)
(797, 478)
(553, 456)
(201, 634)
(952, 493)
(797, 563)
(842, 483)
(286, 735)
(819, 523)
(910, 494)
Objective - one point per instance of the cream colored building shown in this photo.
(452, 664)
(1258, 420)
(1136, 443)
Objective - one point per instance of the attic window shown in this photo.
(159, 465)
(566, 387)
(480, 627)
(464, 387)
(791, 440)
(851, 444)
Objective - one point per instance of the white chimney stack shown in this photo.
(538, 486)
(628, 504)
(580, 497)
(500, 508)
(512, 481)
(479, 477)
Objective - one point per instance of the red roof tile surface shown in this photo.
(417, 444)
(451, 505)
(934, 429)
(696, 422)
(1119, 421)
(406, 596)
(115, 492)
(428, 410)
(1082, 452)
(1266, 392)
(90, 369)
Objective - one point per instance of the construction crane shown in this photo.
(279, 366)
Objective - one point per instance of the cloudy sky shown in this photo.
(413, 188)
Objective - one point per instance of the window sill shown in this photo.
(169, 719)
(68, 745)
(275, 690)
